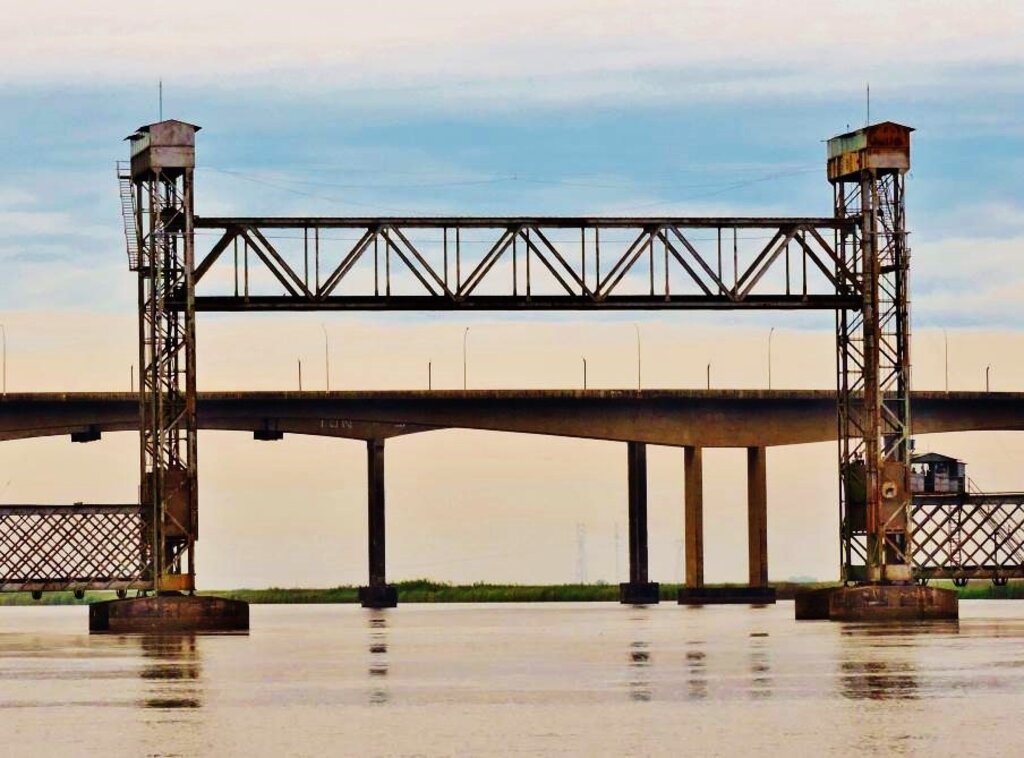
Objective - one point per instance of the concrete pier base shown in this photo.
(639, 593)
(379, 596)
(726, 595)
(878, 602)
(169, 613)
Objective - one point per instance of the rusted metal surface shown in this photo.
(73, 548)
(879, 147)
(873, 357)
(965, 536)
(878, 603)
(162, 175)
(169, 613)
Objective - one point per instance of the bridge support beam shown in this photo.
(757, 517)
(378, 594)
(757, 590)
(638, 590)
(693, 515)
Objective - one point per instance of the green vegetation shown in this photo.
(427, 591)
(986, 591)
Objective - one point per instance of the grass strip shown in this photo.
(428, 591)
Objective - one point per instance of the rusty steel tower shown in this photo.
(867, 168)
(157, 196)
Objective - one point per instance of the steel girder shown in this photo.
(520, 263)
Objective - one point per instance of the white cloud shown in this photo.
(968, 280)
(569, 50)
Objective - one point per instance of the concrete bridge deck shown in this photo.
(692, 419)
(695, 418)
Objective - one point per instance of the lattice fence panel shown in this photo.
(62, 547)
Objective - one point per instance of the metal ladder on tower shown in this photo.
(131, 237)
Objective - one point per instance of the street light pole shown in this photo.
(709, 376)
(637, 328)
(430, 375)
(987, 368)
(300, 373)
(584, 372)
(465, 371)
(770, 333)
(327, 356)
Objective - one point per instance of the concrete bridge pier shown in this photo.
(638, 590)
(378, 594)
(757, 590)
(693, 515)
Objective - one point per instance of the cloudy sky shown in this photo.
(497, 108)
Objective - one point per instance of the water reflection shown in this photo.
(639, 662)
(759, 661)
(639, 659)
(878, 680)
(171, 671)
(378, 667)
(878, 660)
(696, 670)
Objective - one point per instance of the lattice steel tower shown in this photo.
(157, 197)
(866, 168)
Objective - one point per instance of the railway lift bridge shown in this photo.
(854, 263)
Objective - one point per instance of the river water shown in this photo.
(562, 679)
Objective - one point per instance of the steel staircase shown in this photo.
(131, 236)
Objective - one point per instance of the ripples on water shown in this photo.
(571, 679)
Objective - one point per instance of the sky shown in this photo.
(499, 108)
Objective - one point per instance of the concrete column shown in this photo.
(757, 516)
(757, 592)
(693, 515)
(638, 590)
(378, 594)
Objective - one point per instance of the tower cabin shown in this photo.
(166, 147)
(882, 147)
(931, 473)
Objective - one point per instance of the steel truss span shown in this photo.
(73, 547)
(522, 263)
(975, 536)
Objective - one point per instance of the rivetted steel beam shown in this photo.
(230, 304)
(495, 222)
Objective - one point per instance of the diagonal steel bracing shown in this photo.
(391, 263)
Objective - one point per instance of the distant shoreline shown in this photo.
(426, 591)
